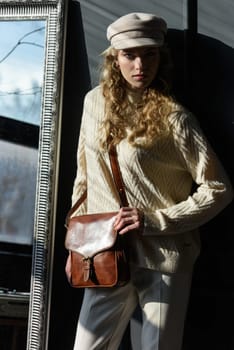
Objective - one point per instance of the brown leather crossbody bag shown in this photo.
(97, 253)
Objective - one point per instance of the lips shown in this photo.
(139, 76)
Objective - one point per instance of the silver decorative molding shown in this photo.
(54, 14)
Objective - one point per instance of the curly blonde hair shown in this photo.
(149, 120)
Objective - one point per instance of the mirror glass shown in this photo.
(22, 56)
(31, 54)
(22, 53)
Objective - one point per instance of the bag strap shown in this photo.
(118, 180)
(118, 176)
(74, 207)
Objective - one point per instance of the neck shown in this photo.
(134, 95)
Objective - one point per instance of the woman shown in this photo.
(162, 152)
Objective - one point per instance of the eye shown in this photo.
(151, 53)
(129, 55)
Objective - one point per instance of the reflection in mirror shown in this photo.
(21, 75)
(30, 84)
(22, 55)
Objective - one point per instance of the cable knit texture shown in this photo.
(158, 181)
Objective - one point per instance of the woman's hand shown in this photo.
(129, 219)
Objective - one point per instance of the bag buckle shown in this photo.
(88, 268)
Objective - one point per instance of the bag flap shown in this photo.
(92, 233)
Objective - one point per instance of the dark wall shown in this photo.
(65, 301)
(211, 90)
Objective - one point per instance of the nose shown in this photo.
(138, 63)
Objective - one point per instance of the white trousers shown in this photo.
(105, 313)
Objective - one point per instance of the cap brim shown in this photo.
(135, 42)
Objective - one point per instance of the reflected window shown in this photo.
(18, 164)
(22, 57)
(22, 52)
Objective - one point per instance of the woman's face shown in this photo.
(138, 66)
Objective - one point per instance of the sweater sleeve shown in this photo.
(80, 183)
(213, 192)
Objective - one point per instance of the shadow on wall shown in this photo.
(66, 301)
(211, 99)
(207, 90)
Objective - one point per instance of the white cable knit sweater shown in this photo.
(158, 181)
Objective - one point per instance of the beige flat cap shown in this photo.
(137, 29)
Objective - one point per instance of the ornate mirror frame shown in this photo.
(54, 14)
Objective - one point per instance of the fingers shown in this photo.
(128, 219)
